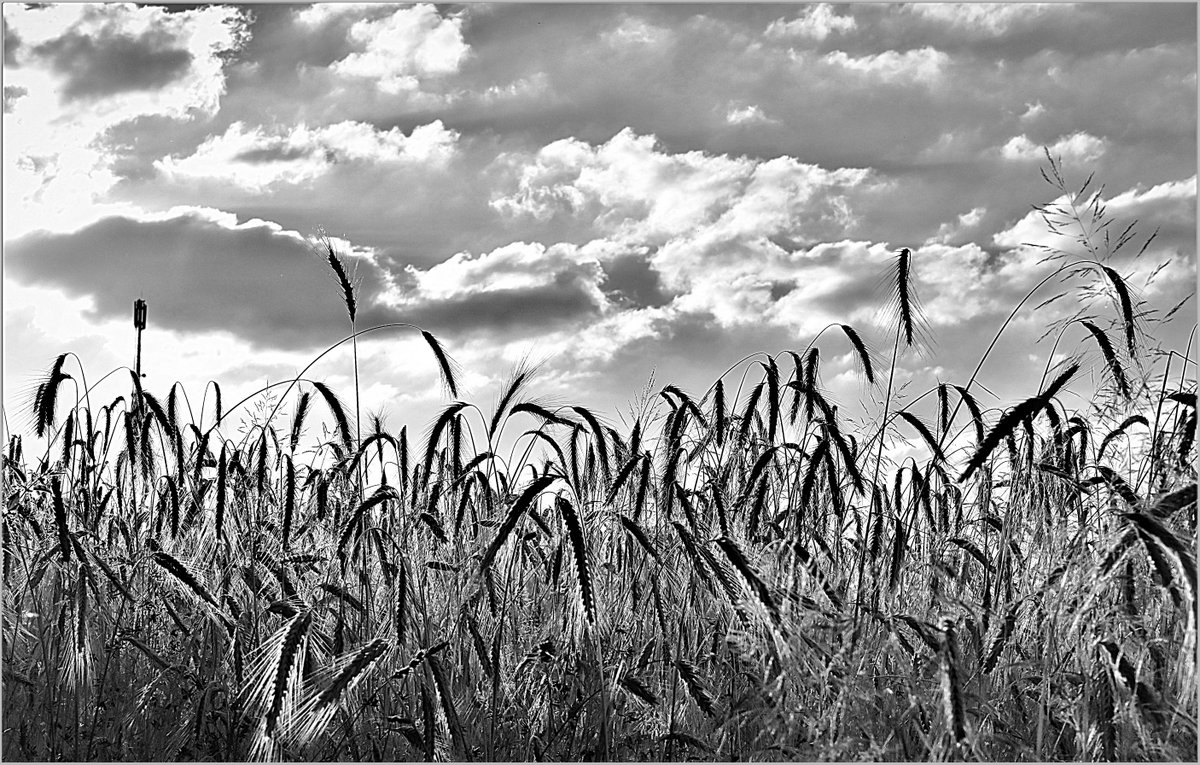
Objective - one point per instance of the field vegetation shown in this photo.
(740, 573)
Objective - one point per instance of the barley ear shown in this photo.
(45, 398)
(695, 686)
(289, 651)
(587, 594)
(860, 349)
(181, 572)
(758, 589)
(1126, 305)
(1110, 358)
(298, 419)
(1013, 419)
(904, 295)
(446, 365)
(514, 514)
(338, 410)
(343, 279)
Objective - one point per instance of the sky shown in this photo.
(624, 195)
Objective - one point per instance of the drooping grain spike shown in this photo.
(1126, 305)
(353, 672)
(860, 350)
(523, 503)
(446, 366)
(1110, 358)
(587, 594)
(1013, 418)
(338, 410)
(289, 651)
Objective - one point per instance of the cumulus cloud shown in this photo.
(633, 31)
(1173, 199)
(815, 22)
(1076, 147)
(985, 19)
(747, 115)
(518, 288)
(629, 187)
(1033, 111)
(398, 50)
(626, 183)
(258, 157)
(963, 225)
(917, 66)
(515, 266)
(1168, 208)
(714, 224)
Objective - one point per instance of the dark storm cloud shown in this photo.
(96, 67)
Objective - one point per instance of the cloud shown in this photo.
(1076, 147)
(1163, 202)
(86, 68)
(256, 158)
(964, 224)
(918, 66)
(630, 188)
(1033, 111)
(321, 14)
(514, 266)
(199, 271)
(633, 31)
(505, 314)
(12, 93)
(400, 49)
(522, 285)
(154, 62)
(984, 19)
(815, 22)
(93, 67)
(1170, 200)
(747, 115)
(12, 44)
(711, 223)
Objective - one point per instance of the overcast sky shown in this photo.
(611, 190)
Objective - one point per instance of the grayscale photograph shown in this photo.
(529, 382)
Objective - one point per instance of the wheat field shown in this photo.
(741, 573)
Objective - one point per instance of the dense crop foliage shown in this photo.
(742, 574)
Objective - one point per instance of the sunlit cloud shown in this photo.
(256, 157)
(1077, 147)
(814, 21)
